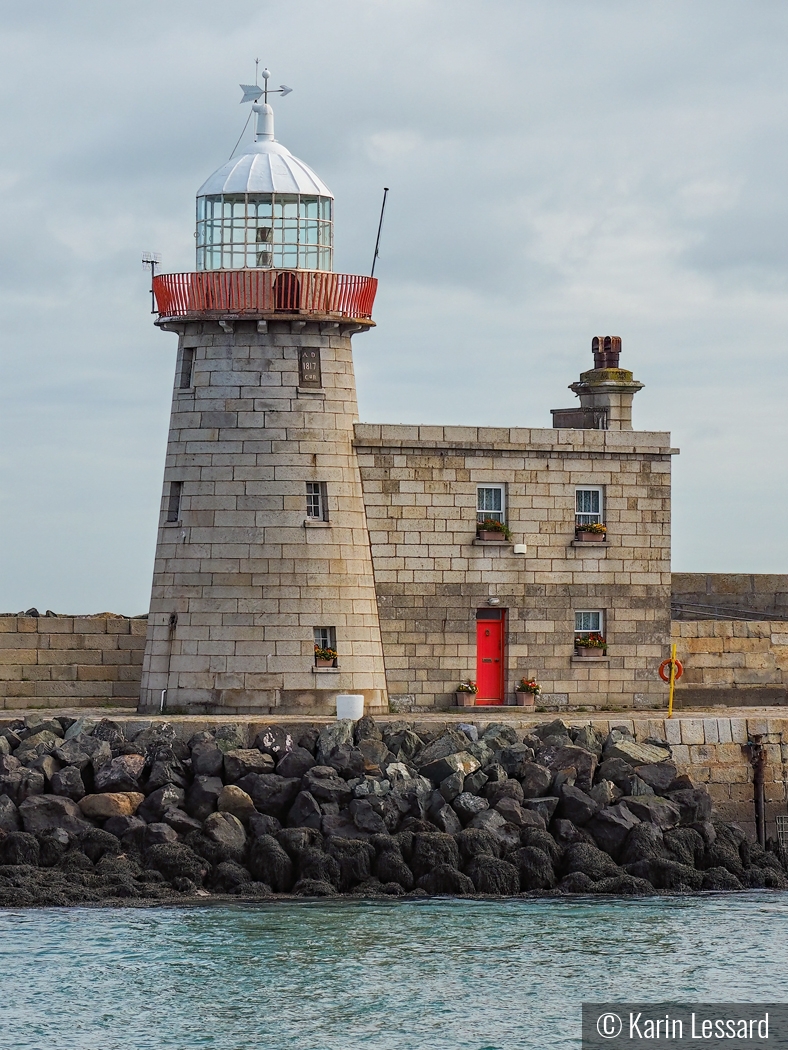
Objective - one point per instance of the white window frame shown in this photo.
(590, 630)
(590, 518)
(326, 638)
(322, 501)
(494, 515)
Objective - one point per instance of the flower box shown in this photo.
(324, 663)
(491, 537)
(465, 699)
(590, 537)
(589, 650)
(524, 699)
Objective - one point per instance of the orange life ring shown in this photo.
(666, 665)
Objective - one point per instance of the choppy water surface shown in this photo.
(416, 975)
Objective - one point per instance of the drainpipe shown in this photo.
(757, 756)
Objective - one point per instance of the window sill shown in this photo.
(590, 659)
(173, 524)
(310, 391)
(326, 670)
(316, 523)
(589, 543)
(491, 543)
(185, 391)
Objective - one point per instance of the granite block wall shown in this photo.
(732, 662)
(70, 661)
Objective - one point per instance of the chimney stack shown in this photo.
(605, 392)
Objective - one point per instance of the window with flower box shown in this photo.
(490, 503)
(589, 505)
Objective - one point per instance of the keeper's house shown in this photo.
(302, 554)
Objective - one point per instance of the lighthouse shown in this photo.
(263, 596)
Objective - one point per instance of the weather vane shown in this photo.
(253, 92)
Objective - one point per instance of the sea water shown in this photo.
(401, 975)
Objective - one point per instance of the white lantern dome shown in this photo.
(264, 209)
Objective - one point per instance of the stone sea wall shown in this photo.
(70, 661)
(733, 662)
(105, 812)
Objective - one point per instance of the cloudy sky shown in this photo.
(558, 169)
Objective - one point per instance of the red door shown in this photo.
(489, 656)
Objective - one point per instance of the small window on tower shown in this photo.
(174, 503)
(187, 368)
(309, 367)
(316, 501)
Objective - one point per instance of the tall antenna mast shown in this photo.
(380, 227)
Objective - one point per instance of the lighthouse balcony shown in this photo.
(236, 294)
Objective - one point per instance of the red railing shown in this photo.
(252, 293)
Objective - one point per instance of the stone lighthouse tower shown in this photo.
(263, 568)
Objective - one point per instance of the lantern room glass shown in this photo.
(282, 231)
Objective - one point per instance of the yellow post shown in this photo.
(672, 679)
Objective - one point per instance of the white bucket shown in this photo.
(350, 705)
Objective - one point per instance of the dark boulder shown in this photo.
(610, 827)
(498, 789)
(666, 874)
(159, 832)
(403, 744)
(346, 760)
(576, 805)
(108, 731)
(445, 819)
(53, 845)
(269, 863)
(557, 758)
(720, 879)
(325, 784)
(9, 815)
(120, 826)
(228, 876)
(545, 807)
(275, 741)
(643, 842)
(475, 782)
(565, 833)
(175, 860)
(313, 888)
(202, 796)
(121, 774)
(19, 847)
(452, 786)
(686, 846)
(535, 868)
(375, 754)
(694, 804)
(260, 824)
(271, 793)
(493, 876)
(319, 866)
(472, 842)
(245, 760)
(96, 843)
(576, 882)
(624, 886)
(430, 850)
(166, 768)
(227, 832)
(295, 763)
(590, 860)
(305, 812)
(43, 812)
(514, 813)
(587, 738)
(207, 758)
(367, 729)
(446, 880)
(467, 806)
(653, 809)
(658, 775)
(515, 759)
(390, 866)
(616, 770)
(535, 780)
(68, 782)
(544, 841)
(159, 801)
(498, 735)
(354, 858)
(451, 742)
(366, 818)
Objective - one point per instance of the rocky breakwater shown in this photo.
(88, 814)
